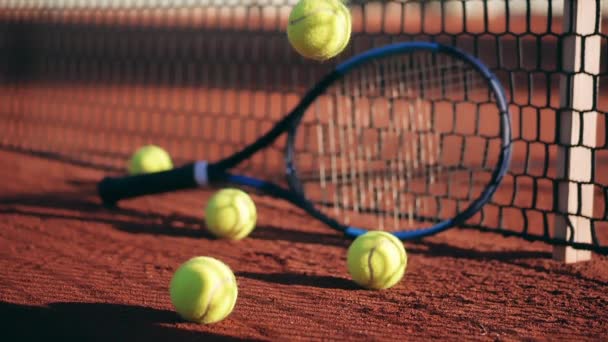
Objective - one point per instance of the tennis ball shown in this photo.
(319, 29)
(376, 260)
(203, 290)
(230, 214)
(149, 159)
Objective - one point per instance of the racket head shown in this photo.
(412, 138)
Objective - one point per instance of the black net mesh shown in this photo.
(88, 82)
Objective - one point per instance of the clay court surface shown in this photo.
(73, 269)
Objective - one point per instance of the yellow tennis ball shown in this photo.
(376, 260)
(230, 214)
(203, 290)
(149, 159)
(319, 29)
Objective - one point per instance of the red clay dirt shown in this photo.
(75, 270)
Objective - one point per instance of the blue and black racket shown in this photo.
(411, 138)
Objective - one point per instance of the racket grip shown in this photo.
(113, 189)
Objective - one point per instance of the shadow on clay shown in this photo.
(519, 258)
(95, 321)
(71, 206)
(272, 233)
(64, 158)
(326, 282)
(442, 249)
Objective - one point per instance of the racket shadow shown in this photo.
(83, 198)
(197, 225)
(72, 205)
(324, 282)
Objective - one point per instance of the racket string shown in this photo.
(398, 142)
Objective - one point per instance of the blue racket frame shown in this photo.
(193, 175)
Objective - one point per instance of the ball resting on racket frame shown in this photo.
(415, 136)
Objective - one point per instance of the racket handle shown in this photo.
(113, 189)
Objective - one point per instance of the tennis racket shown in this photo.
(411, 138)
